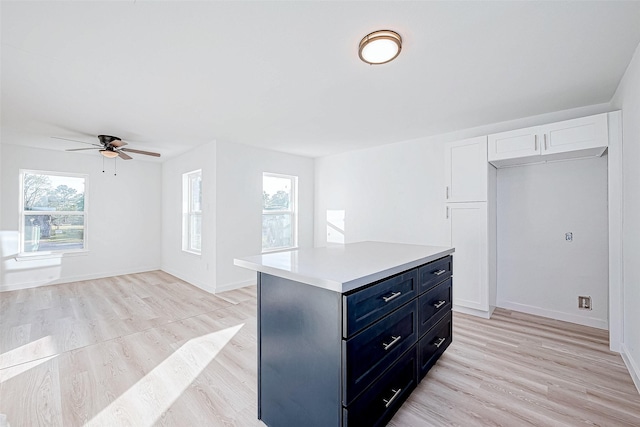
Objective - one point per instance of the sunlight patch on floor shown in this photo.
(7, 373)
(146, 401)
(43, 347)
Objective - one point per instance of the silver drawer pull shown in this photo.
(439, 304)
(388, 402)
(439, 272)
(395, 340)
(392, 296)
(439, 342)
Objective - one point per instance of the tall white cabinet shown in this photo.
(470, 202)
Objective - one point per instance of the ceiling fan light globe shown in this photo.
(109, 154)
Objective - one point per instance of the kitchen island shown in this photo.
(345, 333)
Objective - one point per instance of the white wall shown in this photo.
(135, 218)
(539, 272)
(395, 192)
(239, 205)
(627, 98)
(232, 210)
(392, 193)
(123, 225)
(200, 269)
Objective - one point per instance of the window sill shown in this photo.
(276, 250)
(191, 253)
(49, 255)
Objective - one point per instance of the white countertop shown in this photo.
(343, 268)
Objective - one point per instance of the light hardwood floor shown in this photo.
(149, 349)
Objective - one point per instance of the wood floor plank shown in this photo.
(148, 349)
(33, 397)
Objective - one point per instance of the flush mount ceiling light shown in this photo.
(380, 47)
(109, 154)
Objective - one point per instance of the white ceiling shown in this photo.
(167, 76)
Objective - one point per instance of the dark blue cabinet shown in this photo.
(330, 359)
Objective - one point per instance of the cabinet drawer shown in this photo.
(363, 307)
(434, 343)
(377, 405)
(433, 305)
(435, 272)
(372, 351)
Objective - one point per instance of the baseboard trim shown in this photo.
(236, 285)
(474, 312)
(557, 315)
(78, 278)
(632, 366)
(198, 284)
(213, 289)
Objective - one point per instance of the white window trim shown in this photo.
(187, 213)
(52, 254)
(293, 211)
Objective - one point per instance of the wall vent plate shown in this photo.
(584, 303)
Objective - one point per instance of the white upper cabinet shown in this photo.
(515, 144)
(586, 135)
(466, 169)
(583, 137)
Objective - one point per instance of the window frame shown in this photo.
(24, 213)
(293, 211)
(188, 214)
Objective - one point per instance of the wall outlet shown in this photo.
(584, 303)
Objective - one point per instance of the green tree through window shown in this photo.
(279, 220)
(53, 212)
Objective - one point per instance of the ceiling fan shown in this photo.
(110, 147)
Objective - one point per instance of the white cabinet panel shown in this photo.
(466, 169)
(514, 144)
(468, 231)
(582, 137)
(578, 134)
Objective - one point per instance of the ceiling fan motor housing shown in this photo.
(107, 139)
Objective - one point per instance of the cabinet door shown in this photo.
(468, 231)
(515, 144)
(584, 133)
(466, 169)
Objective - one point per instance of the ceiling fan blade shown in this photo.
(79, 149)
(147, 153)
(118, 143)
(75, 140)
(124, 156)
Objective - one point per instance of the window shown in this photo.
(279, 220)
(192, 212)
(53, 212)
